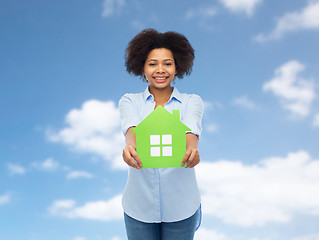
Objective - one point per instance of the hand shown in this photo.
(131, 158)
(191, 157)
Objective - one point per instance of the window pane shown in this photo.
(167, 151)
(167, 139)
(155, 151)
(155, 139)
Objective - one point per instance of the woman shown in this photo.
(164, 203)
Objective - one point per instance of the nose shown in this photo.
(160, 68)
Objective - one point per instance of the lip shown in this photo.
(160, 79)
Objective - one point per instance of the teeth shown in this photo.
(160, 78)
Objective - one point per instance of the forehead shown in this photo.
(160, 54)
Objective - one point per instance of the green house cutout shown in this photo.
(161, 139)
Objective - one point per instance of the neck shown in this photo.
(161, 96)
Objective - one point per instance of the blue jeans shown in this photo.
(181, 230)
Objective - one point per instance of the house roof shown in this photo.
(160, 119)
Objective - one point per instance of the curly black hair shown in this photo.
(140, 46)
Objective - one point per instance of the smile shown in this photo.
(160, 79)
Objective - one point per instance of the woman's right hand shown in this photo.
(131, 158)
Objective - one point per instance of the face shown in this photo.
(159, 68)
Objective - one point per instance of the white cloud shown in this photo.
(207, 234)
(4, 199)
(110, 7)
(212, 105)
(212, 128)
(47, 165)
(95, 128)
(244, 101)
(295, 93)
(316, 120)
(246, 6)
(307, 18)
(138, 24)
(16, 169)
(62, 207)
(208, 106)
(99, 210)
(203, 12)
(79, 174)
(273, 190)
(79, 238)
(116, 238)
(309, 237)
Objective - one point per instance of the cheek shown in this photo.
(147, 71)
(174, 70)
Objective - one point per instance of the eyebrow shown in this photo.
(168, 59)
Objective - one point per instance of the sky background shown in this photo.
(62, 74)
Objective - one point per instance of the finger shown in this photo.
(134, 164)
(129, 160)
(197, 160)
(137, 158)
(186, 156)
(193, 159)
(192, 164)
(190, 159)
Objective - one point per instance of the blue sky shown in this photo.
(62, 74)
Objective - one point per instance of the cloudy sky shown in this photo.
(62, 73)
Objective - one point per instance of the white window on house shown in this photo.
(161, 145)
(155, 151)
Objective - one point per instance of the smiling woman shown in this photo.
(156, 203)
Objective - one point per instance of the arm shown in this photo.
(193, 119)
(129, 152)
(129, 118)
(191, 156)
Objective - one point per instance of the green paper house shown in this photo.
(161, 139)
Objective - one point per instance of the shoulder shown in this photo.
(131, 97)
(191, 98)
(192, 103)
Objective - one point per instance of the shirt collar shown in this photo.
(175, 95)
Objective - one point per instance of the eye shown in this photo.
(168, 63)
(151, 64)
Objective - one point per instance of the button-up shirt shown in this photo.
(156, 195)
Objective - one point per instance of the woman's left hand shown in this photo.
(191, 157)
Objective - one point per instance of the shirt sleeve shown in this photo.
(193, 114)
(128, 113)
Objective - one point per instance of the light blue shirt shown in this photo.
(165, 194)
